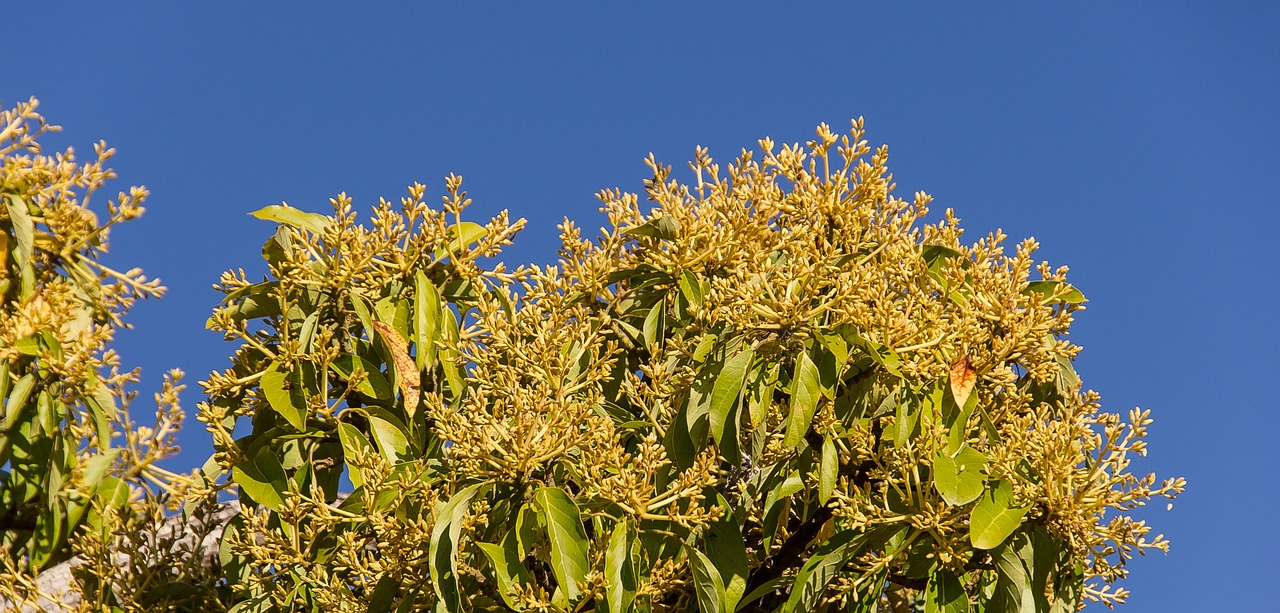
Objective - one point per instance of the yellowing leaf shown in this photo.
(963, 377)
(407, 376)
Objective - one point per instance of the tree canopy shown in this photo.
(774, 385)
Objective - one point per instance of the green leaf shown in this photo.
(1020, 582)
(426, 320)
(388, 433)
(691, 288)
(945, 593)
(443, 553)
(283, 394)
(707, 583)
(262, 479)
(47, 538)
(655, 324)
(904, 423)
(995, 517)
(460, 237)
(375, 384)
(384, 594)
(804, 400)
(728, 554)
(959, 476)
(620, 572)
(353, 442)
(568, 539)
(880, 354)
(507, 569)
(827, 470)
(24, 229)
(1055, 291)
(285, 214)
(454, 374)
(723, 413)
(18, 397)
(705, 345)
(663, 227)
(821, 568)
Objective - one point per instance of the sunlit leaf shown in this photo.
(24, 230)
(663, 226)
(945, 593)
(995, 517)
(262, 479)
(443, 555)
(620, 572)
(568, 539)
(804, 400)
(707, 583)
(278, 386)
(426, 320)
(959, 477)
(285, 214)
(1055, 291)
(507, 570)
(725, 395)
(827, 471)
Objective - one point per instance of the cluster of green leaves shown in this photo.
(63, 412)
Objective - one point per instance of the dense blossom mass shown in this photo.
(771, 386)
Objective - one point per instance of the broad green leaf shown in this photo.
(728, 554)
(705, 345)
(443, 553)
(285, 214)
(958, 430)
(375, 384)
(821, 568)
(620, 572)
(663, 226)
(945, 593)
(262, 479)
(1048, 289)
(353, 442)
(1020, 585)
(384, 593)
(691, 288)
(959, 476)
(767, 587)
(47, 537)
(725, 395)
(707, 583)
(426, 320)
(17, 400)
(507, 570)
(995, 517)
(904, 424)
(804, 400)
(24, 230)
(655, 324)
(284, 398)
(453, 372)
(388, 433)
(880, 354)
(568, 539)
(828, 468)
(760, 392)
(464, 235)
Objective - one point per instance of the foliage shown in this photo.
(779, 389)
(68, 481)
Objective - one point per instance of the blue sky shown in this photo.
(1136, 141)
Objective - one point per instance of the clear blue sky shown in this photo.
(1137, 141)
